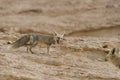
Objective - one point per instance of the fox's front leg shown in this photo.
(48, 49)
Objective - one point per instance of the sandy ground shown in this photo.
(92, 28)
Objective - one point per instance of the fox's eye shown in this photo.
(58, 37)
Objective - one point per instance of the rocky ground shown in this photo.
(92, 28)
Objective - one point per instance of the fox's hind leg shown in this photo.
(27, 49)
(30, 48)
(33, 43)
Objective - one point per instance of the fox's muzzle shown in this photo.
(58, 40)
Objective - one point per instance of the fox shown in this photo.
(113, 56)
(32, 39)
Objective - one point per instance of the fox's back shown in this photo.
(47, 39)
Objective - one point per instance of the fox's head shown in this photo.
(112, 54)
(58, 37)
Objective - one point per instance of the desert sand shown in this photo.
(92, 28)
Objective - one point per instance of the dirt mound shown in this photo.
(102, 32)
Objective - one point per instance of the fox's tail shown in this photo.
(21, 42)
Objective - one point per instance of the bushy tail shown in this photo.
(21, 42)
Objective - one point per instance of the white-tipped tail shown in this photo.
(9, 47)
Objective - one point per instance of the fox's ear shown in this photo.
(55, 33)
(113, 51)
(63, 33)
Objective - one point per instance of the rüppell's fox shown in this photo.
(32, 39)
(113, 56)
